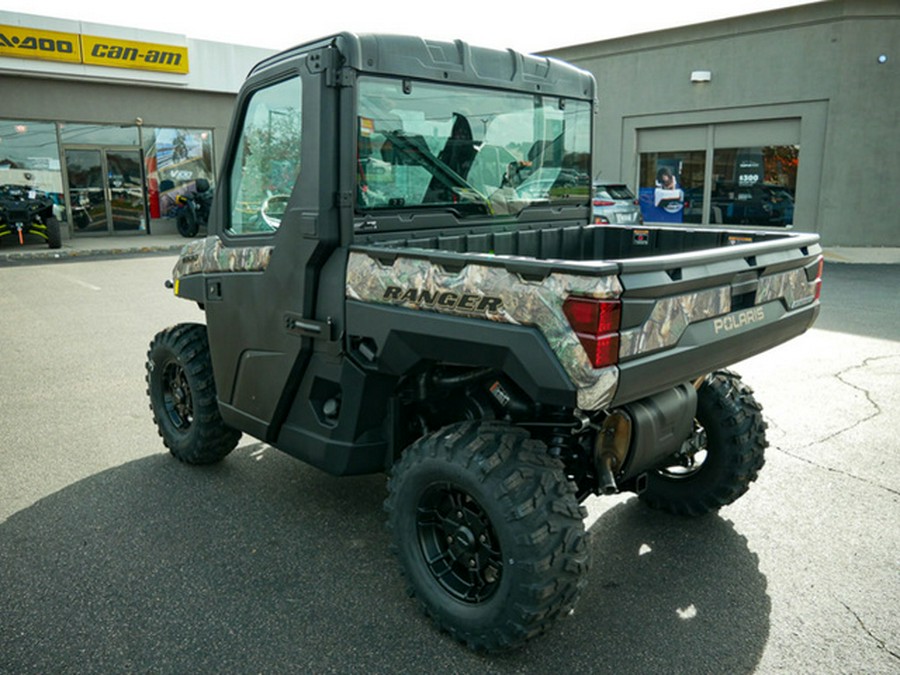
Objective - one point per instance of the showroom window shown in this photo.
(175, 159)
(740, 172)
(754, 186)
(29, 157)
(98, 134)
(267, 159)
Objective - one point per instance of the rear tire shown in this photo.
(725, 463)
(183, 396)
(488, 532)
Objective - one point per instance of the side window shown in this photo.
(267, 159)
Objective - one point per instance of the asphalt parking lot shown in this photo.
(116, 558)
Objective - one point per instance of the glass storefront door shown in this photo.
(87, 199)
(105, 189)
(126, 189)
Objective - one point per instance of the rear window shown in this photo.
(616, 191)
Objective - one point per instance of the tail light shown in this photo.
(819, 277)
(603, 202)
(596, 322)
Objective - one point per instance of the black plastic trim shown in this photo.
(406, 337)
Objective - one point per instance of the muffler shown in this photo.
(639, 436)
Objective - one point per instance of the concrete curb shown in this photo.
(860, 255)
(68, 253)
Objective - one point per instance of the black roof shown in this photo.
(455, 62)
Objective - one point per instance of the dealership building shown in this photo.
(788, 118)
(113, 122)
(783, 119)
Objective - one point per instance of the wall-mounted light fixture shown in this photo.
(882, 58)
(701, 76)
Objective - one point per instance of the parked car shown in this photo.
(761, 204)
(615, 203)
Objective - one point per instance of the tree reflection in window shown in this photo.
(267, 161)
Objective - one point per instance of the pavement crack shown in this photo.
(876, 411)
(842, 376)
(881, 643)
(831, 469)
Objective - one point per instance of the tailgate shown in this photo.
(686, 315)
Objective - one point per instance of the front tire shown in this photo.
(183, 396)
(728, 452)
(187, 224)
(488, 533)
(54, 234)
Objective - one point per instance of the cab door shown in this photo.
(261, 268)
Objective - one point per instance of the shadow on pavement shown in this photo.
(263, 564)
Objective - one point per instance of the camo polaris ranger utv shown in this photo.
(401, 277)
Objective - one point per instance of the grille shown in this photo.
(18, 215)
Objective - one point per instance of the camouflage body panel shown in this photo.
(210, 255)
(671, 317)
(792, 287)
(493, 293)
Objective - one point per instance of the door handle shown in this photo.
(297, 325)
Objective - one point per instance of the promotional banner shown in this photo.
(664, 203)
(178, 161)
(749, 168)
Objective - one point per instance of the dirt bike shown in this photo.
(193, 208)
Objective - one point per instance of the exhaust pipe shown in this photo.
(611, 450)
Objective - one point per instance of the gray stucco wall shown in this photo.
(816, 63)
(37, 99)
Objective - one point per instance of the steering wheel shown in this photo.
(272, 210)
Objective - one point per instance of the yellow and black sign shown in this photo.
(98, 51)
(29, 43)
(32, 43)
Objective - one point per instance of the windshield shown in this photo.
(470, 151)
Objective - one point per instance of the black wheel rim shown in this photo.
(458, 543)
(177, 399)
(693, 457)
